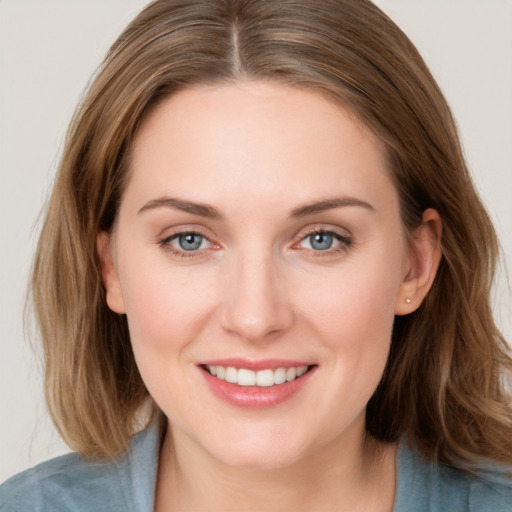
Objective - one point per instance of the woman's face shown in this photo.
(259, 235)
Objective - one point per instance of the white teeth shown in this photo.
(262, 378)
(280, 376)
(265, 378)
(231, 375)
(246, 377)
(301, 371)
(291, 373)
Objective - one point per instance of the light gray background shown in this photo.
(48, 51)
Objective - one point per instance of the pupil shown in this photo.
(190, 242)
(321, 241)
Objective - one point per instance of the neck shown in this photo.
(338, 477)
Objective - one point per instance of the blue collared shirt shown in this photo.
(71, 483)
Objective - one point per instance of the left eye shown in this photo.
(321, 241)
(188, 241)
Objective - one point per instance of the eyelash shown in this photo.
(345, 243)
(166, 244)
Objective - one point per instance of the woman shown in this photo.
(264, 247)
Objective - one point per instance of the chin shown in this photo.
(260, 452)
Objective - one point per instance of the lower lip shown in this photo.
(254, 397)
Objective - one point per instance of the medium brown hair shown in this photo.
(443, 386)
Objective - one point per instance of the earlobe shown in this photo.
(424, 258)
(113, 292)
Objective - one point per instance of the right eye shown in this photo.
(186, 243)
(322, 241)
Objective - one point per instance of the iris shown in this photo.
(321, 241)
(190, 241)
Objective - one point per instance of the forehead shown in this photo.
(254, 139)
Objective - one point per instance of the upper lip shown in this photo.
(261, 364)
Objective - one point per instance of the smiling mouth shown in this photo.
(262, 378)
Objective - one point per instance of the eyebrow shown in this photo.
(201, 209)
(210, 212)
(329, 204)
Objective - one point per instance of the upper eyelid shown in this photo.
(340, 232)
(188, 232)
(174, 232)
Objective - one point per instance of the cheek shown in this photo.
(356, 330)
(165, 308)
(166, 312)
(357, 299)
(353, 318)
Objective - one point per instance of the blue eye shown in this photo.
(321, 241)
(189, 241)
(325, 242)
(186, 243)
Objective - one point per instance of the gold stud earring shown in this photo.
(408, 300)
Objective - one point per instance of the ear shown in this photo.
(423, 262)
(109, 274)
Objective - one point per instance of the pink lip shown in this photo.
(254, 397)
(263, 364)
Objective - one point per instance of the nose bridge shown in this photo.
(257, 305)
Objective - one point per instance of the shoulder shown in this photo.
(71, 482)
(429, 487)
(60, 483)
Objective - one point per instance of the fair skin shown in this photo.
(255, 281)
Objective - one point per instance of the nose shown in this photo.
(256, 308)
